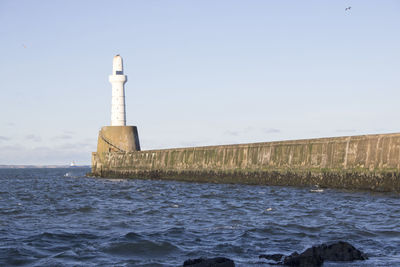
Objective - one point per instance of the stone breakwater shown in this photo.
(367, 162)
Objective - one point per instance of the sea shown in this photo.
(60, 217)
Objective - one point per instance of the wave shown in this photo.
(16, 256)
(140, 248)
(59, 237)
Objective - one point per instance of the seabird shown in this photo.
(317, 189)
(347, 8)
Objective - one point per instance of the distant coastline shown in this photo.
(40, 166)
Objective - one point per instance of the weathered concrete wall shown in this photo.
(357, 162)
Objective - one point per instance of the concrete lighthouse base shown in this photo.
(118, 139)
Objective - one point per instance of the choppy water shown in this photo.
(58, 217)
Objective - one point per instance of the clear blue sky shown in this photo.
(199, 72)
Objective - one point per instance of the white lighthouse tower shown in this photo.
(118, 137)
(118, 80)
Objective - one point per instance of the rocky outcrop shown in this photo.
(213, 262)
(316, 255)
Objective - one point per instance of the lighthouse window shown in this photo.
(119, 72)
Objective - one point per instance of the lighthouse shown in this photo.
(118, 80)
(118, 137)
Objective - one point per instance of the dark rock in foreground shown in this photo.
(309, 258)
(316, 255)
(274, 257)
(213, 262)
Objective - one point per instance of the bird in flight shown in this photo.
(347, 8)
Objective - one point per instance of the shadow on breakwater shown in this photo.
(347, 180)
